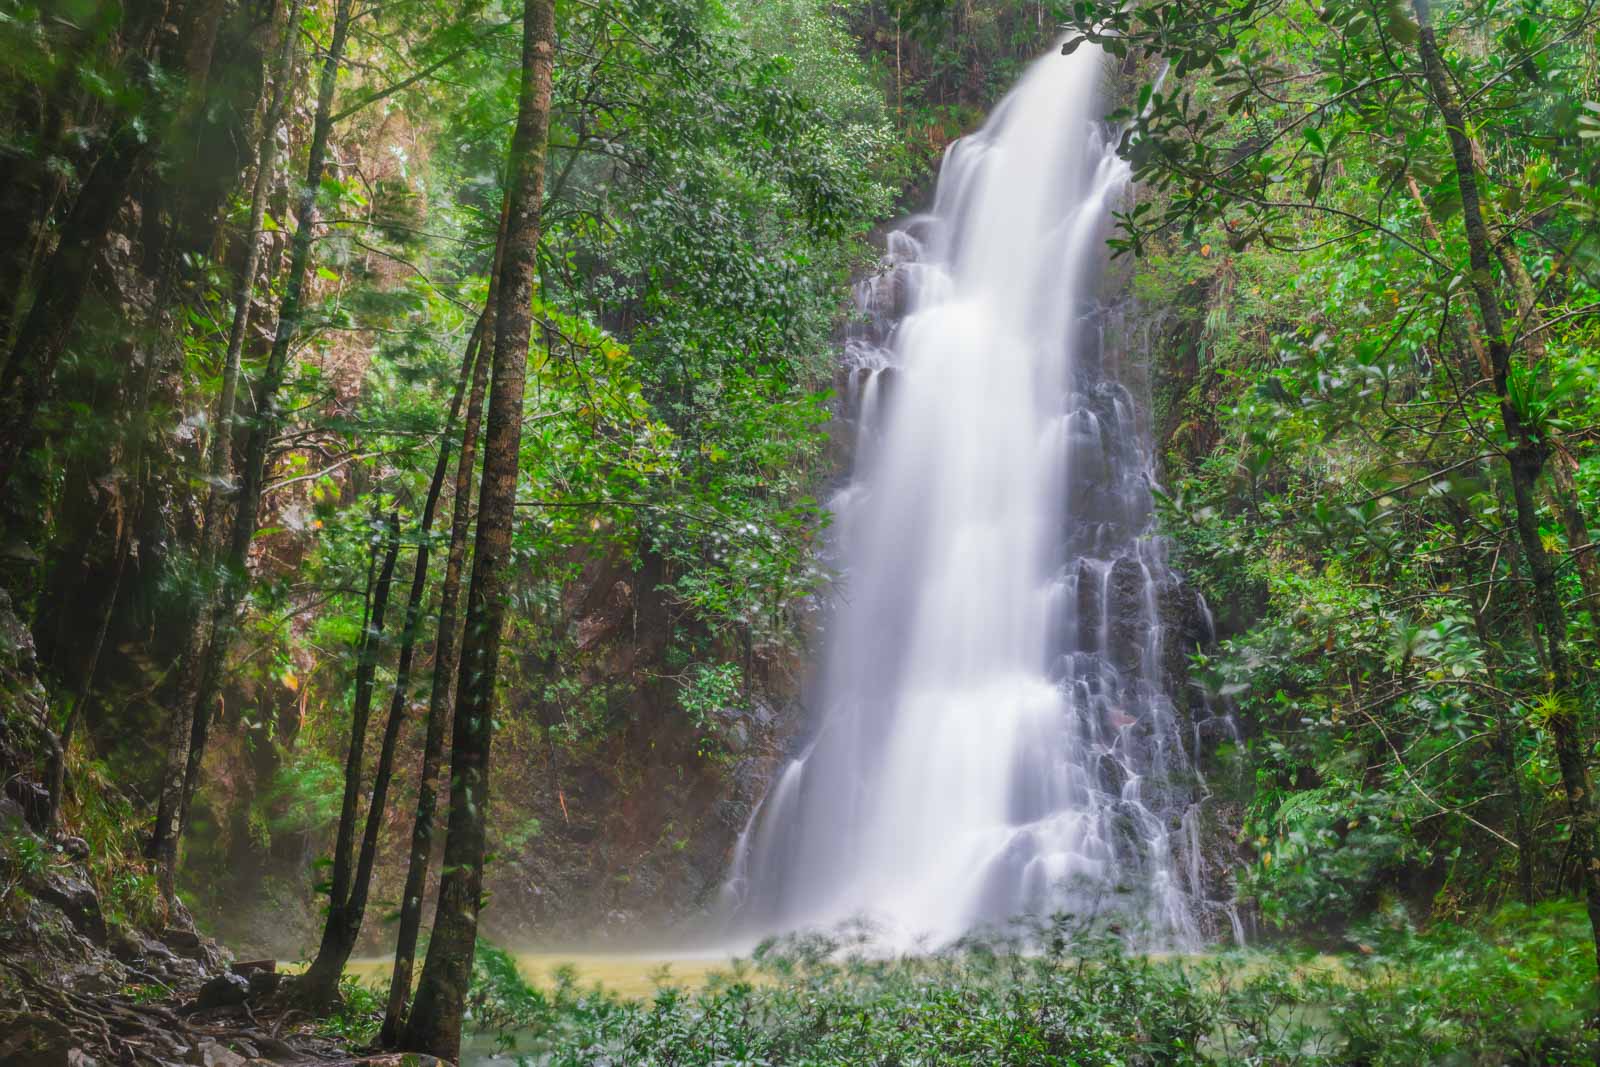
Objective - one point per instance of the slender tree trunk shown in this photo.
(44, 333)
(343, 925)
(435, 1023)
(200, 669)
(319, 986)
(221, 443)
(445, 661)
(1564, 492)
(1505, 749)
(1526, 458)
(202, 675)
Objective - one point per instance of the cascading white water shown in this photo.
(995, 736)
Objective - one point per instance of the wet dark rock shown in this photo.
(1112, 776)
(1129, 625)
(187, 943)
(12, 817)
(96, 976)
(32, 799)
(1091, 605)
(37, 1041)
(77, 900)
(130, 946)
(264, 984)
(223, 991)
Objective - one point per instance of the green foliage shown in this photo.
(712, 694)
(357, 1015)
(1336, 447)
(1513, 990)
(23, 856)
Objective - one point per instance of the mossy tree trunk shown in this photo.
(435, 1023)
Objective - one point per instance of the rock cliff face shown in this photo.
(73, 939)
(613, 811)
(628, 834)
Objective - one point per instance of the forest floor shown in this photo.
(77, 990)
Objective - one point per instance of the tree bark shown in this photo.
(319, 986)
(445, 661)
(435, 1023)
(343, 924)
(1526, 459)
(1564, 491)
(202, 671)
(220, 446)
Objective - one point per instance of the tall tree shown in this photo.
(319, 986)
(446, 659)
(200, 674)
(342, 926)
(435, 1022)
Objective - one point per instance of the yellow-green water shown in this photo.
(626, 975)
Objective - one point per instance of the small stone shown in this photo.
(74, 848)
(214, 1054)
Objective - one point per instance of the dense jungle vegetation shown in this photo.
(412, 426)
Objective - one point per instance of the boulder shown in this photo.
(223, 991)
(263, 984)
(248, 967)
(77, 900)
(187, 942)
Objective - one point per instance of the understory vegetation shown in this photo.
(1507, 992)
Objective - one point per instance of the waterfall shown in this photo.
(994, 732)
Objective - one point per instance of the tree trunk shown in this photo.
(45, 331)
(343, 925)
(319, 986)
(1526, 459)
(435, 1023)
(221, 443)
(1505, 747)
(199, 671)
(1564, 492)
(202, 673)
(446, 657)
